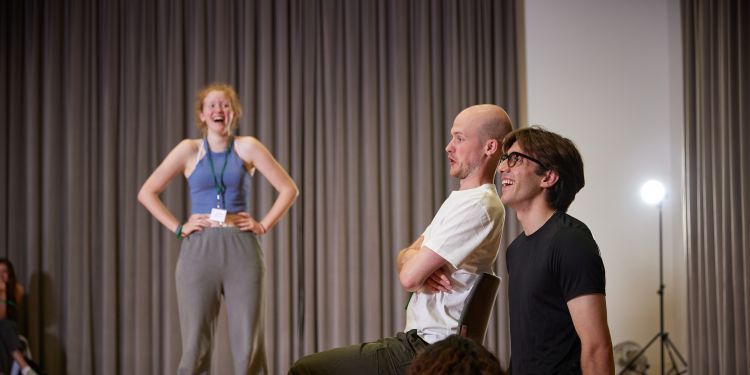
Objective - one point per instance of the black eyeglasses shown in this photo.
(514, 157)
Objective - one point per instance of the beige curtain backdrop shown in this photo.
(354, 98)
(717, 162)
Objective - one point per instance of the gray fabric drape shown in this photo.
(354, 98)
(717, 171)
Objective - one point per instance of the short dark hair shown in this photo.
(558, 154)
(455, 355)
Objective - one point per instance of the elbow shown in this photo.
(603, 348)
(596, 350)
(294, 192)
(290, 192)
(143, 195)
(598, 359)
(408, 281)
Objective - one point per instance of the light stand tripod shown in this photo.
(665, 342)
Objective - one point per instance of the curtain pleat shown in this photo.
(354, 98)
(717, 177)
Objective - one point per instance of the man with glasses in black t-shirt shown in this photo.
(558, 311)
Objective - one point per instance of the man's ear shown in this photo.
(550, 179)
(491, 146)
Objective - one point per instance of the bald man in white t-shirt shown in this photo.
(443, 264)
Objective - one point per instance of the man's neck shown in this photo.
(477, 179)
(533, 216)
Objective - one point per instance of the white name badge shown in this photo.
(217, 214)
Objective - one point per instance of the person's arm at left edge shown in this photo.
(419, 266)
(589, 314)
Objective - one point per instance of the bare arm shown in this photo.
(254, 153)
(589, 314)
(4, 302)
(175, 162)
(407, 253)
(19, 293)
(419, 266)
(3, 298)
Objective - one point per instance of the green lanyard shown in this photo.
(219, 182)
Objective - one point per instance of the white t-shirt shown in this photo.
(466, 231)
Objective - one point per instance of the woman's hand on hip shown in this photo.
(246, 223)
(195, 223)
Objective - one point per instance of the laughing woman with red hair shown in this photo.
(220, 255)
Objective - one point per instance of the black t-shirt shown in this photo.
(558, 262)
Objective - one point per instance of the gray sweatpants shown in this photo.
(213, 262)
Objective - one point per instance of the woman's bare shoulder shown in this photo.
(247, 146)
(246, 141)
(187, 147)
(191, 144)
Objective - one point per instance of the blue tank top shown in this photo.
(236, 181)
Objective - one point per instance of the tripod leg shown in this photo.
(632, 360)
(673, 348)
(672, 369)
